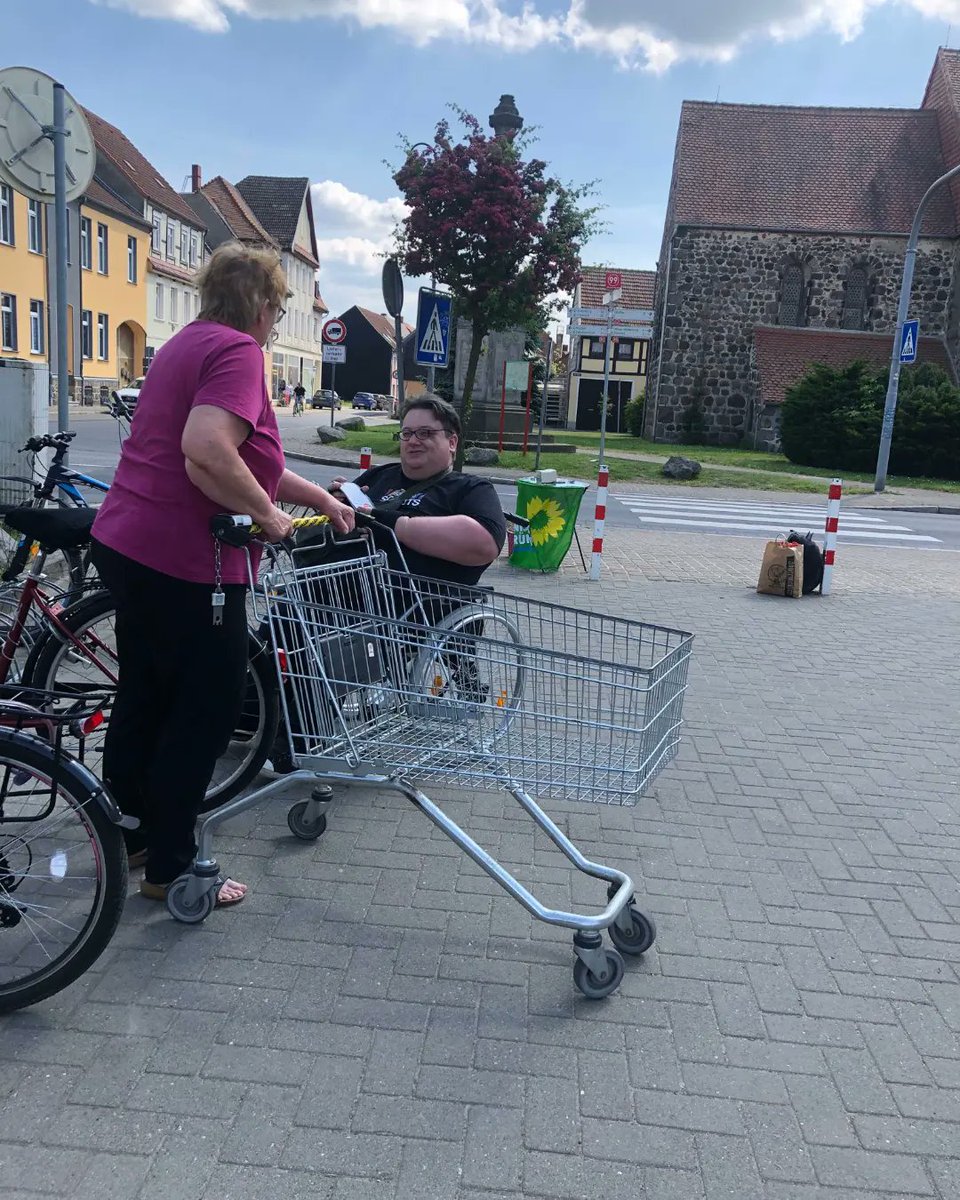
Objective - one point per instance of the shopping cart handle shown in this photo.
(235, 529)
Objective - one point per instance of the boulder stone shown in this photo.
(678, 467)
(353, 423)
(481, 456)
(326, 434)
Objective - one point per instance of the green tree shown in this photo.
(493, 227)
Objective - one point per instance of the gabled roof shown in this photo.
(382, 323)
(277, 200)
(101, 197)
(140, 173)
(638, 287)
(839, 170)
(784, 354)
(235, 213)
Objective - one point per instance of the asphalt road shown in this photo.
(97, 451)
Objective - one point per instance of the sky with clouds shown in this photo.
(326, 88)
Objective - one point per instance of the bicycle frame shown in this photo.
(32, 596)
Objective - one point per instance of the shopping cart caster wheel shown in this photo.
(639, 937)
(303, 828)
(187, 911)
(596, 987)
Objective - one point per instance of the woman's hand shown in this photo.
(342, 517)
(276, 525)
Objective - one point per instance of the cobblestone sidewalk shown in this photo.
(377, 1022)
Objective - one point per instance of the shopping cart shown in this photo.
(396, 681)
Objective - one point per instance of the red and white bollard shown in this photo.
(366, 457)
(830, 545)
(599, 516)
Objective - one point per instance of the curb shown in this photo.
(324, 461)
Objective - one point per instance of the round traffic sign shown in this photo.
(334, 332)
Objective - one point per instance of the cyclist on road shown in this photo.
(298, 394)
(205, 441)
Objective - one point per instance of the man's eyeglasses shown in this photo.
(423, 434)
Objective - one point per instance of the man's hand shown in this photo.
(276, 525)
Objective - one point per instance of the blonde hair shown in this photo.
(237, 282)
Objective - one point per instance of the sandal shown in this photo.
(158, 891)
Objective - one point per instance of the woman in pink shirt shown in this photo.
(204, 441)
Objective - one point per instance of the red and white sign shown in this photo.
(334, 332)
(612, 281)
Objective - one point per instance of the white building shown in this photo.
(177, 240)
(283, 208)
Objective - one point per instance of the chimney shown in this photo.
(195, 178)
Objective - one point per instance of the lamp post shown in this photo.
(505, 120)
(890, 405)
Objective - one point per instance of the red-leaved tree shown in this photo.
(496, 230)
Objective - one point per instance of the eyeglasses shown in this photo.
(281, 313)
(423, 434)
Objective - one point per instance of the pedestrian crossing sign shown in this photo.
(908, 341)
(433, 329)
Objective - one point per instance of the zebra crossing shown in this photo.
(748, 518)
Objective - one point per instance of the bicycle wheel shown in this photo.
(63, 871)
(90, 665)
(471, 668)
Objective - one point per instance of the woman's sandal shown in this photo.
(158, 891)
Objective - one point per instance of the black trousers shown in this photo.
(178, 701)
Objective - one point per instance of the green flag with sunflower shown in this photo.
(551, 509)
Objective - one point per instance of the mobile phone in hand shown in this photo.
(356, 497)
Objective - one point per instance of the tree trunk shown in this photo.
(466, 404)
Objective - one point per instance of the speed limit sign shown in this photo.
(334, 332)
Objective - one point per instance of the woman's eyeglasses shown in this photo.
(423, 434)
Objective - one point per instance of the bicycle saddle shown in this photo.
(53, 528)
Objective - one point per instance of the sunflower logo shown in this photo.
(546, 520)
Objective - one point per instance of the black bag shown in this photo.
(812, 560)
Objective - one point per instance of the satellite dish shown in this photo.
(26, 136)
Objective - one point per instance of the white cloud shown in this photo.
(633, 32)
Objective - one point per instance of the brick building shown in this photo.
(783, 245)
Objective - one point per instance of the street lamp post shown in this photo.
(890, 405)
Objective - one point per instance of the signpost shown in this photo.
(908, 341)
(433, 331)
(392, 284)
(334, 335)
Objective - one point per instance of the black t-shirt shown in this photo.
(452, 495)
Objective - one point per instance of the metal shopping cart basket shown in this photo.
(399, 682)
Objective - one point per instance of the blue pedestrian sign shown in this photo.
(433, 328)
(908, 341)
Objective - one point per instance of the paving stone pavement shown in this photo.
(379, 1022)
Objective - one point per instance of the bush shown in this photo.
(633, 417)
(832, 418)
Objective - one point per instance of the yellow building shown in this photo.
(106, 287)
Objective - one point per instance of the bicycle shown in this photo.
(63, 864)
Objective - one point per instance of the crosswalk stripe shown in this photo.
(843, 532)
(785, 516)
(736, 506)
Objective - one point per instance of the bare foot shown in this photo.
(230, 892)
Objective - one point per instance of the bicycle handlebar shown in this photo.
(49, 441)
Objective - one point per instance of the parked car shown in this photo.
(384, 402)
(130, 395)
(325, 398)
(365, 400)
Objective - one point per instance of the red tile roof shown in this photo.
(100, 197)
(382, 323)
(842, 170)
(236, 213)
(160, 266)
(783, 355)
(638, 287)
(128, 160)
(943, 97)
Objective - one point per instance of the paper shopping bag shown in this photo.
(781, 572)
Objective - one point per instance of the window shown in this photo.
(316, 329)
(37, 329)
(174, 305)
(194, 249)
(156, 241)
(86, 333)
(8, 321)
(624, 349)
(102, 256)
(131, 260)
(85, 233)
(171, 238)
(35, 226)
(595, 347)
(103, 336)
(644, 356)
(158, 302)
(792, 295)
(6, 214)
(184, 244)
(854, 314)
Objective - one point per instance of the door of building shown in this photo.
(589, 399)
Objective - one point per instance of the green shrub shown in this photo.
(633, 417)
(832, 418)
